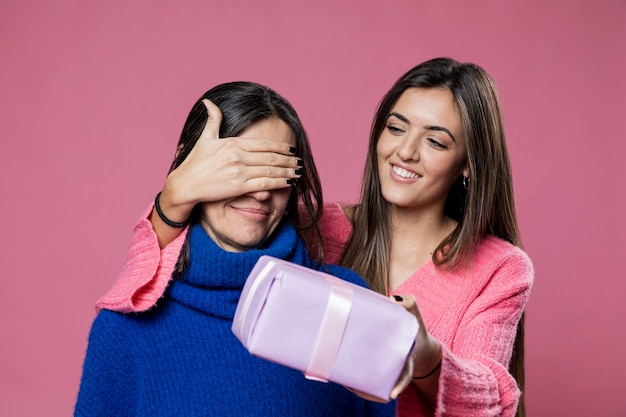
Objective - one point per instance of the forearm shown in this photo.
(171, 212)
(165, 233)
(426, 377)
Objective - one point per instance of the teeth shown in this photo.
(404, 173)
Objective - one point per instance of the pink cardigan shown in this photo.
(472, 312)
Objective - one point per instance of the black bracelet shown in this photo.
(167, 221)
(430, 373)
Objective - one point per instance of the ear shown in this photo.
(466, 171)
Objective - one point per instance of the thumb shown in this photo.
(212, 128)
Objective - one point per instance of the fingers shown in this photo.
(264, 145)
(262, 174)
(405, 377)
(264, 184)
(214, 120)
(403, 382)
(426, 351)
(408, 302)
(263, 157)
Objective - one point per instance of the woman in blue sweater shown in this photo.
(181, 358)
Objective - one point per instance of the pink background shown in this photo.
(94, 94)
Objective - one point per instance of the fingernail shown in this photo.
(298, 172)
(398, 297)
(292, 149)
(289, 182)
(300, 162)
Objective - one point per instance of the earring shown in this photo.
(466, 182)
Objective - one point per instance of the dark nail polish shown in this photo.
(300, 162)
(292, 149)
(298, 172)
(289, 182)
(398, 298)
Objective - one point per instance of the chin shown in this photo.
(398, 199)
(248, 243)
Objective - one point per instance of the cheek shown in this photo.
(281, 199)
(445, 165)
(384, 147)
(210, 210)
(383, 151)
(459, 166)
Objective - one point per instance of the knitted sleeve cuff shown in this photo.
(146, 273)
(472, 387)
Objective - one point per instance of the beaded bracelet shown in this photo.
(430, 373)
(163, 217)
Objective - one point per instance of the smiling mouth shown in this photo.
(253, 213)
(253, 210)
(401, 172)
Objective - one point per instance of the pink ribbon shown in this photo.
(331, 331)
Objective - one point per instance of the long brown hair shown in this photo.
(485, 207)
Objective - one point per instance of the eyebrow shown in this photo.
(427, 127)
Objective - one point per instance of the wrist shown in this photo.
(428, 365)
(169, 214)
(430, 373)
(179, 194)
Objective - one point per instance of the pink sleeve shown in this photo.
(474, 378)
(147, 271)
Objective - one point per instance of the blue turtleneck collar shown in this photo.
(214, 279)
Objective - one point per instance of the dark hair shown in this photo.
(486, 207)
(243, 104)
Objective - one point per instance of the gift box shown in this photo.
(328, 328)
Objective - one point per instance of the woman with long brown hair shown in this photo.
(436, 220)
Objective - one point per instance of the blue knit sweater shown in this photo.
(182, 359)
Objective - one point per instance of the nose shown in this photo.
(260, 195)
(407, 150)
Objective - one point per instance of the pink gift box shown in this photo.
(328, 328)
